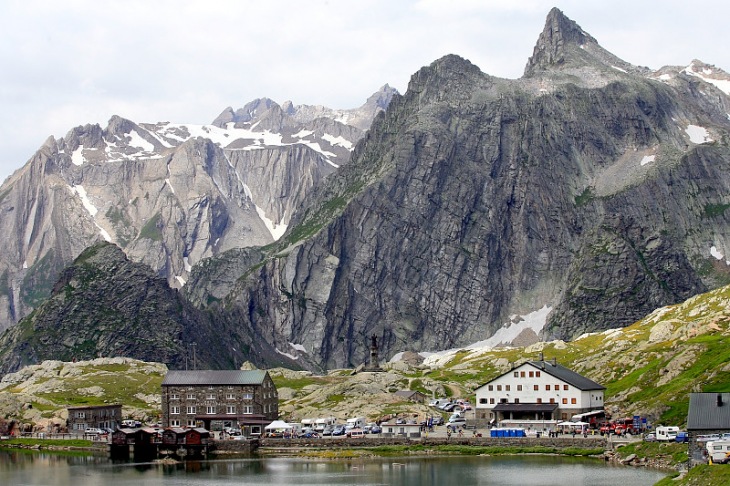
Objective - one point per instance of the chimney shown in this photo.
(719, 399)
(542, 357)
(555, 361)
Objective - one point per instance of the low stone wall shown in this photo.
(560, 442)
(243, 447)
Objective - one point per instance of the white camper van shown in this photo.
(668, 433)
(355, 423)
(718, 451)
(321, 423)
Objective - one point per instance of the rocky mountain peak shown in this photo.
(555, 42)
(564, 46)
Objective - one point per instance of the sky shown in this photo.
(65, 63)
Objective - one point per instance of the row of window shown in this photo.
(212, 396)
(492, 401)
(212, 409)
(534, 387)
(530, 374)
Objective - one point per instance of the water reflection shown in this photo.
(22, 467)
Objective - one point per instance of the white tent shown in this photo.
(278, 425)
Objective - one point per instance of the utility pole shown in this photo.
(195, 359)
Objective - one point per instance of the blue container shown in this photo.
(493, 433)
(511, 432)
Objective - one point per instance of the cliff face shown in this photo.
(594, 190)
(105, 305)
(169, 195)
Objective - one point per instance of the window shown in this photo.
(516, 374)
(80, 414)
(230, 409)
(519, 387)
(522, 374)
(190, 410)
(552, 400)
(248, 396)
(502, 400)
(210, 409)
(539, 400)
(517, 400)
(532, 374)
(547, 387)
(175, 410)
(506, 387)
(537, 374)
(230, 396)
(174, 396)
(499, 387)
(565, 401)
(536, 387)
(482, 400)
(211, 387)
(191, 423)
(491, 388)
(565, 387)
(191, 396)
(573, 401)
(491, 401)
(174, 423)
(210, 396)
(247, 409)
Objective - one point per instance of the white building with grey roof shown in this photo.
(537, 394)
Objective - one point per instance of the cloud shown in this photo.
(75, 62)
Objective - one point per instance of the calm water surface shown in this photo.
(23, 468)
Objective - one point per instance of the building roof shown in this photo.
(95, 407)
(214, 377)
(408, 393)
(560, 372)
(568, 376)
(709, 411)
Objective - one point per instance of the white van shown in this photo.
(321, 423)
(668, 433)
(355, 422)
(718, 451)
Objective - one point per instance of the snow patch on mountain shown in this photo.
(709, 75)
(77, 157)
(718, 255)
(90, 208)
(648, 159)
(504, 336)
(697, 134)
(341, 141)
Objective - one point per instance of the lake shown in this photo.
(39, 468)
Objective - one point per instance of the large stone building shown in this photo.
(216, 399)
(537, 394)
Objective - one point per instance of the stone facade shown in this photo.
(100, 417)
(216, 399)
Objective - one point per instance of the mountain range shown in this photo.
(577, 198)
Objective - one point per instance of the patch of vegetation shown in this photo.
(39, 280)
(702, 475)
(712, 210)
(395, 450)
(47, 442)
(585, 197)
(677, 453)
(151, 230)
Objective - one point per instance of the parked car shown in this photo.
(93, 431)
(457, 420)
(438, 420)
(328, 430)
(450, 407)
(311, 434)
(682, 437)
(338, 430)
(650, 437)
(376, 429)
